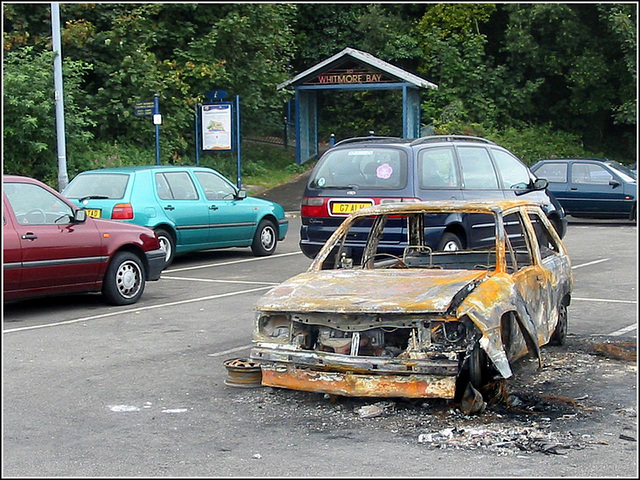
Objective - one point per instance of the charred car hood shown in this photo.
(376, 291)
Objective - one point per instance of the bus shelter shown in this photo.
(350, 69)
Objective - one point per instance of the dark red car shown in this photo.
(51, 247)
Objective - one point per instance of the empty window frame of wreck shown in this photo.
(411, 337)
(499, 240)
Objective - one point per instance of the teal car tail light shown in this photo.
(122, 211)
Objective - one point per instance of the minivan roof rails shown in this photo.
(450, 138)
(370, 138)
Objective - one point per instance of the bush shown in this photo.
(530, 143)
(534, 143)
(295, 168)
(105, 155)
(262, 164)
(29, 129)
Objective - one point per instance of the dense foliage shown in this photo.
(544, 79)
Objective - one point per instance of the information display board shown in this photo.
(217, 127)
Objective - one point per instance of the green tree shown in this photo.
(380, 29)
(621, 21)
(29, 135)
(179, 51)
(571, 66)
(453, 56)
(581, 57)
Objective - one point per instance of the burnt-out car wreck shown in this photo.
(424, 323)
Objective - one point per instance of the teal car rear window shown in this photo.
(108, 185)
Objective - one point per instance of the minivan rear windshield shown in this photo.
(365, 167)
(108, 185)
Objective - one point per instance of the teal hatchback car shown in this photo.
(189, 208)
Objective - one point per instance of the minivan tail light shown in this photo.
(314, 207)
(122, 211)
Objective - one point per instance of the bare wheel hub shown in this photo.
(243, 373)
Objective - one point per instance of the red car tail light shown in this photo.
(122, 211)
(314, 207)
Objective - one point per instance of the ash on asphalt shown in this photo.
(552, 410)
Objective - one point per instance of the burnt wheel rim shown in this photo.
(243, 373)
(128, 279)
(562, 323)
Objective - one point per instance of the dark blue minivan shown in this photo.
(592, 188)
(365, 171)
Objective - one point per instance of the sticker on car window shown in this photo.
(384, 171)
(360, 152)
(321, 181)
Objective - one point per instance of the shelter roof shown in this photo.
(363, 57)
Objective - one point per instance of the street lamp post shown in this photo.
(63, 178)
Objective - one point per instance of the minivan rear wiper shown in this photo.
(341, 187)
(93, 197)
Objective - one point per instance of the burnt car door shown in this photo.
(531, 280)
(556, 267)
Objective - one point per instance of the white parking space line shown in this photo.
(605, 300)
(590, 263)
(232, 262)
(624, 330)
(617, 333)
(139, 309)
(231, 350)
(243, 282)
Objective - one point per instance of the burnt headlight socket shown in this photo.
(274, 327)
(448, 332)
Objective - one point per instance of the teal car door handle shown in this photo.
(169, 207)
(213, 207)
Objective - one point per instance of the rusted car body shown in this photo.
(425, 325)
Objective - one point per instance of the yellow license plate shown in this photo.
(94, 212)
(346, 208)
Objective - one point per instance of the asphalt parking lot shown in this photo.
(94, 390)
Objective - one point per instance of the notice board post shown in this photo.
(151, 109)
(157, 120)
